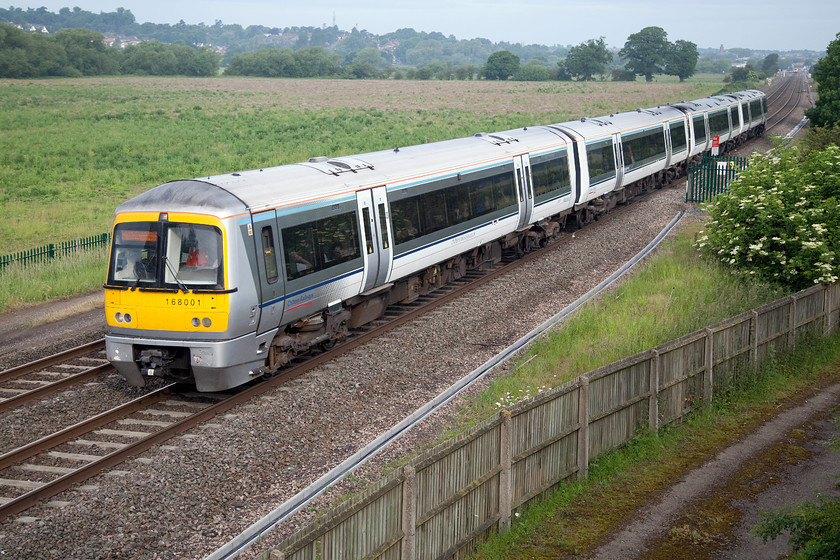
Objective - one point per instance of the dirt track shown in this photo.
(784, 462)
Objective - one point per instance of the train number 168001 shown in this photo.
(183, 302)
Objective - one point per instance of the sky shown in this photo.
(777, 25)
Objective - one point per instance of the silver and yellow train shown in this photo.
(218, 280)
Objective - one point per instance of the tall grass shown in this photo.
(670, 295)
(64, 276)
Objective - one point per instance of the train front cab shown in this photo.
(168, 298)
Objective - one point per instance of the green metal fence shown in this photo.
(49, 252)
(711, 177)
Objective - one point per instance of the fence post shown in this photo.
(708, 385)
(583, 429)
(505, 463)
(50, 251)
(653, 402)
(409, 513)
(754, 338)
(792, 324)
(827, 304)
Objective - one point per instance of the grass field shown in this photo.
(72, 149)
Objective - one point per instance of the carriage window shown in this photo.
(699, 129)
(733, 115)
(448, 206)
(678, 140)
(601, 160)
(269, 255)
(550, 177)
(719, 122)
(321, 244)
(642, 148)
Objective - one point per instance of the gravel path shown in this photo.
(187, 498)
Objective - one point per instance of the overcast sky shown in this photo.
(756, 24)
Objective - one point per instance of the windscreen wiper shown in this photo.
(175, 275)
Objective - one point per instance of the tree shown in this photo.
(770, 65)
(86, 52)
(587, 59)
(501, 65)
(826, 112)
(535, 72)
(646, 52)
(682, 60)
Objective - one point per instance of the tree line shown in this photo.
(328, 52)
(82, 52)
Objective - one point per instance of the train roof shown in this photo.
(630, 121)
(324, 178)
(339, 177)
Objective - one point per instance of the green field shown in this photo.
(71, 150)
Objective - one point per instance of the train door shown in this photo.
(267, 243)
(619, 160)
(524, 188)
(376, 233)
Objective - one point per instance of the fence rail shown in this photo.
(49, 252)
(711, 176)
(442, 503)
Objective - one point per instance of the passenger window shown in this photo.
(269, 255)
(321, 244)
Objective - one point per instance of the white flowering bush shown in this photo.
(780, 219)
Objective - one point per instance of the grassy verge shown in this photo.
(668, 296)
(574, 520)
(66, 276)
(673, 294)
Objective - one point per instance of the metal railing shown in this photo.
(50, 251)
(712, 176)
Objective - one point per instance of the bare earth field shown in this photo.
(486, 97)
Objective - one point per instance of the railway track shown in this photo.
(41, 469)
(25, 383)
(786, 100)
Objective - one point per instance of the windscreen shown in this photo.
(166, 255)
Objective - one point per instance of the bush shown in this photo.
(780, 220)
(814, 527)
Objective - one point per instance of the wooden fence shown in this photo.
(49, 252)
(711, 176)
(444, 502)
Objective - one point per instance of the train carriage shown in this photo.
(218, 280)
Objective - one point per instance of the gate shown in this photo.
(711, 177)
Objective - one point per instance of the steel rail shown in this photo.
(59, 385)
(24, 369)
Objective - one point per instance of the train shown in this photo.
(216, 281)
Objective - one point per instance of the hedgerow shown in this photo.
(780, 220)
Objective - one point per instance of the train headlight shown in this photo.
(195, 322)
(118, 317)
(206, 322)
(126, 317)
